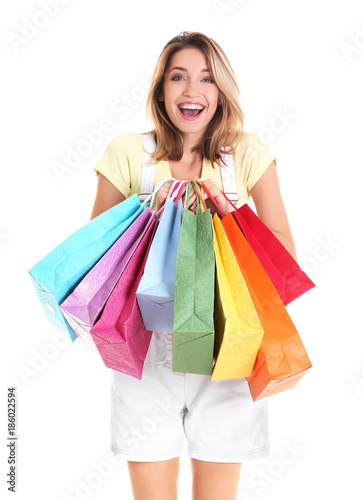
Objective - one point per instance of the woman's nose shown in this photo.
(191, 88)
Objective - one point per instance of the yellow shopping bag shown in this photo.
(238, 331)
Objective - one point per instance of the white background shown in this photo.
(302, 59)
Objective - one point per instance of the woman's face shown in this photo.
(187, 79)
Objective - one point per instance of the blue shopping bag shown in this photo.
(59, 272)
(155, 293)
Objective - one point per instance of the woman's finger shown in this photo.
(162, 194)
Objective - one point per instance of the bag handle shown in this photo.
(174, 187)
(210, 196)
(177, 192)
(190, 184)
(199, 194)
(156, 189)
(173, 192)
(229, 201)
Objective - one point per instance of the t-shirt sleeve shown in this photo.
(256, 158)
(115, 164)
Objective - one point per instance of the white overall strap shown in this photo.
(228, 177)
(147, 171)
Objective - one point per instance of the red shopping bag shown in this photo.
(285, 273)
(119, 334)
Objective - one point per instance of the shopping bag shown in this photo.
(83, 306)
(90, 295)
(282, 359)
(193, 327)
(238, 331)
(119, 334)
(59, 272)
(284, 272)
(155, 293)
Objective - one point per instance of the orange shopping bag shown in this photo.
(282, 359)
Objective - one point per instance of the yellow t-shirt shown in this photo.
(122, 160)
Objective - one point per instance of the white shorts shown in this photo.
(151, 416)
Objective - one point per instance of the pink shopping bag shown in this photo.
(119, 334)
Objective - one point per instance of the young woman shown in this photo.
(193, 103)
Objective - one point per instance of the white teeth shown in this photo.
(190, 106)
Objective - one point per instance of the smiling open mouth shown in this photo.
(191, 112)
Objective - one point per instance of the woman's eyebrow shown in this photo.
(184, 69)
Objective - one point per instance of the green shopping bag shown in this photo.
(193, 327)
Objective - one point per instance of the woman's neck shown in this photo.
(191, 158)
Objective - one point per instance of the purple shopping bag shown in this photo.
(88, 298)
(84, 305)
(119, 334)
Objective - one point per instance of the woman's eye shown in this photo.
(177, 77)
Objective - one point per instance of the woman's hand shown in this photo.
(162, 194)
(219, 198)
(214, 190)
(192, 205)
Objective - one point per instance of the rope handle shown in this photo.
(190, 184)
(174, 189)
(178, 192)
(229, 201)
(151, 197)
(199, 194)
(174, 192)
(210, 196)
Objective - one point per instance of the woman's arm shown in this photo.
(270, 208)
(107, 196)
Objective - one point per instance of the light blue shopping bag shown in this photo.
(59, 272)
(155, 293)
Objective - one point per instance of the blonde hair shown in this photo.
(226, 126)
